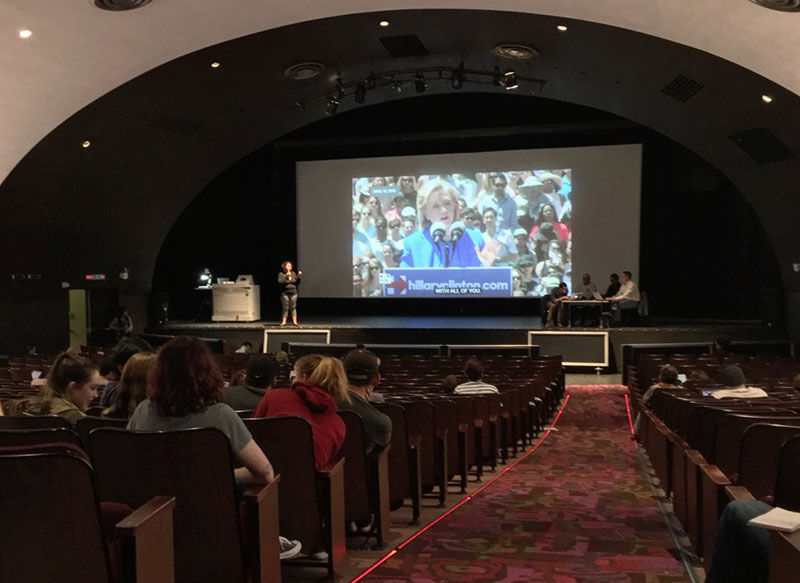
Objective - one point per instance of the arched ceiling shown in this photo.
(163, 123)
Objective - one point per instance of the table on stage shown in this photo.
(592, 305)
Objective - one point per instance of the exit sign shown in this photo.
(95, 276)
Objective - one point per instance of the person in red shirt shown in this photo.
(319, 383)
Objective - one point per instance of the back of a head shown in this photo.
(732, 376)
(186, 378)
(306, 365)
(329, 375)
(668, 375)
(68, 368)
(132, 388)
(127, 348)
(361, 367)
(473, 369)
(260, 371)
(450, 382)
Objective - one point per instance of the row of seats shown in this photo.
(707, 452)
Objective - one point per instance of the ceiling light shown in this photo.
(384, 23)
(86, 143)
(515, 51)
(303, 71)
(25, 33)
(510, 81)
(562, 27)
(766, 98)
(215, 65)
(420, 85)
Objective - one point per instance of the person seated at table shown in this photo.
(555, 305)
(627, 299)
(586, 291)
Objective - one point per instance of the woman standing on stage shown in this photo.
(289, 280)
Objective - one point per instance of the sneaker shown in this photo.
(290, 548)
(320, 556)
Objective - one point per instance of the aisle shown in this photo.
(577, 510)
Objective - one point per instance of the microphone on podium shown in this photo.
(457, 231)
(438, 230)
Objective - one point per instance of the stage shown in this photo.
(584, 346)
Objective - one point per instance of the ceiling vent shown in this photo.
(173, 124)
(782, 5)
(682, 88)
(303, 71)
(406, 45)
(516, 52)
(762, 145)
(117, 5)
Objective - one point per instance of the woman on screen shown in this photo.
(288, 280)
(547, 215)
(372, 283)
(436, 245)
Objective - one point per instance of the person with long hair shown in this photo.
(372, 287)
(185, 391)
(320, 383)
(132, 387)
(438, 207)
(71, 386)
(289, 280)
(547, 215)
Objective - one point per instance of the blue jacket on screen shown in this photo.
(421, 251)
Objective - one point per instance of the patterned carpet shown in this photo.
(575, 511)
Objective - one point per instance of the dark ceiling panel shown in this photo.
(682, 88)
(173, 124)
(407, 45)
(762, 145)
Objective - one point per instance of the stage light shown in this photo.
(496, 76)
(205, 278)
(510, 81)
(384, 23)
(25, 33)
(333, 105)
(459, 76)
(420, 85)
(766, 98)
(562, 27)
(361, 92)
(86, 143)
(215, 65)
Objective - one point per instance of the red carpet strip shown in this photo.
(575, 509)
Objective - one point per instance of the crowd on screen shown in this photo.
(517, 219)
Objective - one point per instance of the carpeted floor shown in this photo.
(577, 510)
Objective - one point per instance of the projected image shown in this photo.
(499, 233)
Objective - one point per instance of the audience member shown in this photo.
(70, 388)
(741, 551)
(245, 348)
(132, 387)
(362, 370)
(736, 385)
(259, 376)
(122, 324)
(123, 351)
(320, 383)
(667, 379)
(237, 378)
(473, 370)
(185, 391)
(449, 383)
(107, 368)
(499, 200)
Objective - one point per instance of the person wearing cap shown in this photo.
(736, 385)
(260, 374)
(504, 205)
(551, 186)
(521, 241)
(438, 206)
(362, 370)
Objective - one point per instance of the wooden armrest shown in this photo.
(149, 511)
(715, 475)
(263, 547)
(463, 427)
(784, 555)
(379, 453)
(696, 457)
(441, 433)
(146, 537)
(479, 423)
(332, 469)
(738, 493)
(257, 492)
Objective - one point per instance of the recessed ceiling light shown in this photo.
(215, 65)
(562, 27)
(86, 143)
(25, 33)
(766, 98)
(384, 23)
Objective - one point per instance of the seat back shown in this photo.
(399, 485)
(85, 425)
(759, 454)
(49, 519)
(196, 467)
(787, 483)
(731, 428)
(23, 437)
(356, 473)
(34, 422)
(421, 421)
(287, 442)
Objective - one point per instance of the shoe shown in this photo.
(289, 548)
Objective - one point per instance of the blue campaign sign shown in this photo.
(435, 282)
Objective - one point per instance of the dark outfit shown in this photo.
(313, 404)
(612, 290)
(244, 398)
(377, 426)
(288, 282)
